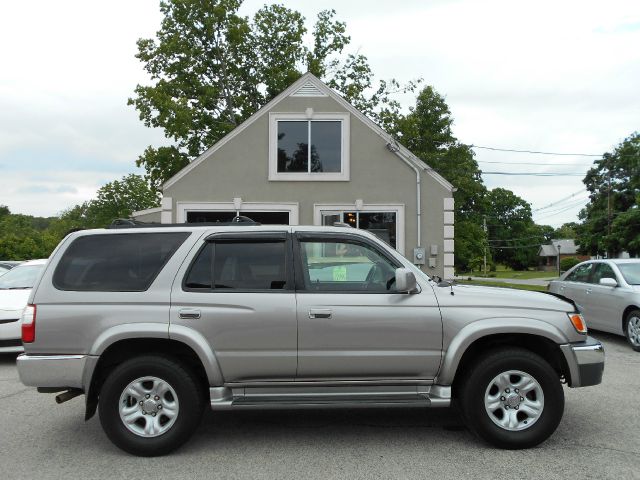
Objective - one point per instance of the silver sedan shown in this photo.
(608, 295)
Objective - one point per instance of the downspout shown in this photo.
(395, 149)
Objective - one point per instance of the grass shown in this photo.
(503, 273)
(483, 283)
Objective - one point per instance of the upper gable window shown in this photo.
(309, 149)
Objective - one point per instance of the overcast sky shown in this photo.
(558, 76)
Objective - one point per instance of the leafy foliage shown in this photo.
(427, 132)
(25, 237)
(211, 69)
(611, 219)
(516, 236)
(568, 262)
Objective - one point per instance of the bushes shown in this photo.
(568, 262)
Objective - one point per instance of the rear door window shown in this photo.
(240, 265)
(115, 263)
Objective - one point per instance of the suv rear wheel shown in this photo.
(512, 398)
(150, 405)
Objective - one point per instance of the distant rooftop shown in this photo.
(567, 247)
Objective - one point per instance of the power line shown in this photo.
(537, 174)
(517, 246)
(513, 150)
(515, 239)
(534, 163)
(559, 201)
(577, 201)
(562, 210)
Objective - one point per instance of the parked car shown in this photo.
(6, 265)
(152, 324)
(607, 293)
(15, 287)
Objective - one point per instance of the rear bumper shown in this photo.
(52, 370)
(585, 361)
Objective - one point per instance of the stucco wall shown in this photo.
(240, 169)
(147, 216)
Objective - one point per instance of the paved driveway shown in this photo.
(599, 437)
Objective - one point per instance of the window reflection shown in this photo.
(294, 154)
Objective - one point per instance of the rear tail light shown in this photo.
(29, 324)
(578, 322)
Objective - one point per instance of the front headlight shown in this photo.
(577, 320)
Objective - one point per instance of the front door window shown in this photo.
(345, 267)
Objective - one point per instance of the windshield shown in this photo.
(20, 277)
(630, 272)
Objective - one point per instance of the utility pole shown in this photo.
(558, 247)
(609, 209)
(486, 241)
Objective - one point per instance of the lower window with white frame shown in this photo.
(384, 224)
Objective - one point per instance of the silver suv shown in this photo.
(151, 324)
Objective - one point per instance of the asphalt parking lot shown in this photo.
(599, 437)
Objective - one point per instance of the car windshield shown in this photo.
(20, 277)
(630, 272)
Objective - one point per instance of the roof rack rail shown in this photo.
(342, 224)
(238, 220)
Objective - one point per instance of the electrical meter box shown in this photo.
(419, 255)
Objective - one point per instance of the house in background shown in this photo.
(309, 157)
(556, 251)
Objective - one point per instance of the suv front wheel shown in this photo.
(512, 398)
(150, 405)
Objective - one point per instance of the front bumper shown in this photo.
(10, 332)
(585, 361)
(53, 370)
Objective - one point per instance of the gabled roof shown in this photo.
(310, 85)
(567, 247)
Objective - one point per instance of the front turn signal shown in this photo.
(578, 322)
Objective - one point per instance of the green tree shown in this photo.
(21, 240)
(566, 230)
(427, 131)
(611, 219)
(513, 236)
(470, 246)
(118, 199)
(211, 69)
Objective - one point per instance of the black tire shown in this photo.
(190, 399)
(634, 340)
(476, 384)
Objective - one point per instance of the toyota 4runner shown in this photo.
(151, 324)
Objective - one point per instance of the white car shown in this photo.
(607, 293)
(15, 287)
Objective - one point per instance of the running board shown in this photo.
(260, 398)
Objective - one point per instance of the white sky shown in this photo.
(557, 76)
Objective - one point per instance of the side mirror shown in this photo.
(405, 280)
(608, 282)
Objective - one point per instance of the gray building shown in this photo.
(353, 172)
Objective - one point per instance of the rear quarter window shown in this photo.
(127, 262)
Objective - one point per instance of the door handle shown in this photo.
(588, 291)
(320, 313)
(189, 313)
